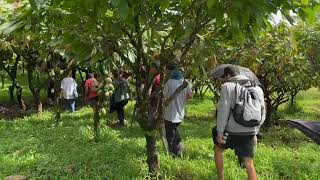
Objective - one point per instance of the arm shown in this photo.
(189, 93)
(261, 97)
(61, 89)
(223, 109)
(189, 96)
(86, 89)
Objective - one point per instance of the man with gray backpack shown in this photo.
(240, 113)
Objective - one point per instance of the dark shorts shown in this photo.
(93, 102)
(242, 145)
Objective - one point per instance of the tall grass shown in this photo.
(37, 148)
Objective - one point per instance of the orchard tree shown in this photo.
(283, 70)
(132, 31)
(9, 60)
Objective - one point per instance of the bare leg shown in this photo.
(255, 140)
(218, 159)
(251, 171)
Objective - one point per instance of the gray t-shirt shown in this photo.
(174, 112)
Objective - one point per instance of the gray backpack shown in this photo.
(248, 109)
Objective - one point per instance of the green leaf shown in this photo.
(185, 3)
(164, 4)
(109, 13)
(304, 2)
(33, 4)
(9, 27)
(310, 16)
(123, 9)
(210, 3)
(115, 2)
(245, 17)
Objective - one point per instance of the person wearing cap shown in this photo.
(175, 110)
(230, 134)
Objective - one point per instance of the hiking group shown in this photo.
(240, 109)
(118, 99)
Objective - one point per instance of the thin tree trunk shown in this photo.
(2, 81)
(13, 76)
(11, 92)
(73, 72)
(35, 91)
(57, 107)
(39, 105)
(19, 98)
(152, 156)
(163, 139)
(57, 104)
(96, 123)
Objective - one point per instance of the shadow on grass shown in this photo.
(10, 112)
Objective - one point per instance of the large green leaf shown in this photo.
(10, 26)
(123, 8)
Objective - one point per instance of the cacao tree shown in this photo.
(132, 31)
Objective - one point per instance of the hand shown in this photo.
(220, 140)
(186, 81)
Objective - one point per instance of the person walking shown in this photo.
(91, 94)
(229, 133)
(120, 96)
(175, 109)
(69, 92)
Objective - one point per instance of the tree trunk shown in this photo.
(19, 98)
(73, 72)
(2, 81)
(34, 90)
(39, 104)
(13, 76)
(57, 100)
(271, 116)
(11, 92)
(57, 107)
(152, 156)
(163, 139)
(23, 67)
(96, 122)
(268, 121)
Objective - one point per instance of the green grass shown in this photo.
(308, 103)
(35, 147)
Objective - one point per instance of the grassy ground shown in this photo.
(35, 147)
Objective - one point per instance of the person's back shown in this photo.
(69, 87)
(120, 96)
(69, 92)
(174, 112)
(229, 133)
(90, 87)
(122, 91)
(225, 119)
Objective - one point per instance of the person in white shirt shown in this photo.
(174, 111)
(69, 93)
